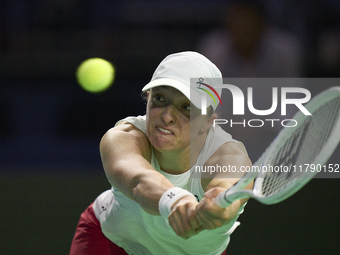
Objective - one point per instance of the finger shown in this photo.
(200, 213)
(194, 223)
(173, 224)
(204, 220)
(212, 193)
(205, 213)
(199, 229)
(208, 193)
(210, 222)
(179, 221)
(176, 222)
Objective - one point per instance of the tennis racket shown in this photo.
(295, 156)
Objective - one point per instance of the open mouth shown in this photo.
(165, 130)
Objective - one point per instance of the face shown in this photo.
(169, 117)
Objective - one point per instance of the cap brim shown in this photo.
(191, 94)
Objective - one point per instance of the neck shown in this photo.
(177, 162)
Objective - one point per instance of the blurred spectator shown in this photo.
(329, 53)
(325, 62)
(247, 46)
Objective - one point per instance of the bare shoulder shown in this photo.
(127, 129)
(126, 137)
(229, 154)
(230, 149)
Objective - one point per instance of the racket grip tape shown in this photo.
(227, 197)
(221, 200)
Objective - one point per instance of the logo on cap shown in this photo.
(200, 83)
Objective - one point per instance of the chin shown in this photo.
(159, 146)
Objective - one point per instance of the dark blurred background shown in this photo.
(50, 128)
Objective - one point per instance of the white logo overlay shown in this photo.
(239, 104)
(260, 101)
(254, 111)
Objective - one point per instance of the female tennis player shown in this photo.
(158, 203)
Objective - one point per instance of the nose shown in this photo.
(169, 114)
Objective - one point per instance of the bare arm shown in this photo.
(210, 215)
(126, 155)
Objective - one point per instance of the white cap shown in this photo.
(192, 74)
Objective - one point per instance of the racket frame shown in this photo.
(227, 197)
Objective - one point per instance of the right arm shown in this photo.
(126, 155)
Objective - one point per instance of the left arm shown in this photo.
(209, 214)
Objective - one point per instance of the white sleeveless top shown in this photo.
(126, 224)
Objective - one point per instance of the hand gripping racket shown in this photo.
(311, 142)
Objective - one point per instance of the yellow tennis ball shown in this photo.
(95, 74)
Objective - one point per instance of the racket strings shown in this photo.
(275, 181)
(301, 148)
(320, 130)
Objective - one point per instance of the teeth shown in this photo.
(164, 130)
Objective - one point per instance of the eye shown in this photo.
(186, 107)
(159, 98)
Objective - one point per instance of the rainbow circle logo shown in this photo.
(200, 83)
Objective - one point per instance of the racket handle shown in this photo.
(227, 197)
(221, 201)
